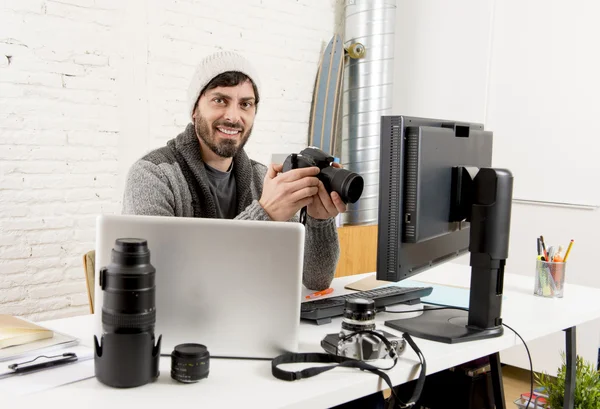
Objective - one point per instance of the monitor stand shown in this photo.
(447, 326)
(489, 197)
(452, 326)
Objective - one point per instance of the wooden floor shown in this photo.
(516, 381)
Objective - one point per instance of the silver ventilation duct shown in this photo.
(367, 95)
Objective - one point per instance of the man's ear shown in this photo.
(195, 109)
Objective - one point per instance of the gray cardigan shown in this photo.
(172, 181)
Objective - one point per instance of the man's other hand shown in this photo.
(284, 194)
(326, 205)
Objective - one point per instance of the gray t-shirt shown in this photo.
(223, 188)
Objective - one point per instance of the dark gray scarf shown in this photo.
(187, 152)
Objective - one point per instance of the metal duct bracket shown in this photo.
(367, 95)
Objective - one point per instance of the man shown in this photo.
(205, 172)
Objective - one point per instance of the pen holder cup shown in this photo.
(549, 279)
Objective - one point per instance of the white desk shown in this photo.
(235, 383)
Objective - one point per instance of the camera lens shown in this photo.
(347, 184)
(359, 315)
(129, 304)
(189, 363)
(127, 354)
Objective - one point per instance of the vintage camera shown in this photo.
(347, 184)
(354, 342)
(126, 354)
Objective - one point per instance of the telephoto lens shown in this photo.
(127, 355)
(189, 363)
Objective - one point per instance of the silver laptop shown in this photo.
(232, 285)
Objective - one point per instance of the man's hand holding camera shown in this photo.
(284, 194)
(325, 205)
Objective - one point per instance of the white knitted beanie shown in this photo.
(214, 65)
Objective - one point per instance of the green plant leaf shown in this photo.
(587, 385)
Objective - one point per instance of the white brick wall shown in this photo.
(88, 86)
(283, 38)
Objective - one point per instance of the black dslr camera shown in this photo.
(348, 185)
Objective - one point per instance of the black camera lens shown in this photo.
(126, 354)
(129, 304)
(347, 184)
(189, 363)
(359, 314)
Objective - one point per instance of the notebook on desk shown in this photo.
(219, 282)
(20, 337)
(17, 331)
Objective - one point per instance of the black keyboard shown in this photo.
(321, 311)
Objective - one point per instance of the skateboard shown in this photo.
(324, 116)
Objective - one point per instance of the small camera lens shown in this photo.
(359, 314)
(189, 363)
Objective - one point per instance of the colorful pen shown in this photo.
(544, 248)
(319, 293)
(568, 251)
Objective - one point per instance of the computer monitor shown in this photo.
(439, 198)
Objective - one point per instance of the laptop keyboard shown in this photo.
(321, 311)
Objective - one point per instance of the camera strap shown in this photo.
(342, 361)
(303, 215)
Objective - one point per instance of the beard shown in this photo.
(224, 147)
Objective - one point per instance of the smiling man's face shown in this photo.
(224, 117)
